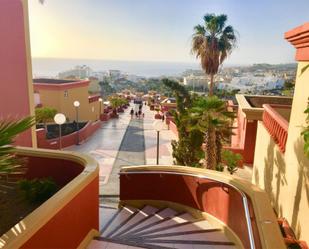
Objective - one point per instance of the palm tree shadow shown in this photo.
(302, 183)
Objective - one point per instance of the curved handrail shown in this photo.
(243, 195)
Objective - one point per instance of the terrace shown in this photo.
(160, 206)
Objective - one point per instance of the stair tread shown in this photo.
(167, 223)
(189, 246)
(96, 244)
(139, 216)
(106, 214)
(149, 222)
(122, 216)
(202, 225)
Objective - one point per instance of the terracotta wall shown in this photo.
(68, 140)
(243, 142)
(217, 199)
(172, 126)
(16, 90)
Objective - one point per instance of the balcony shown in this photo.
(276, 121)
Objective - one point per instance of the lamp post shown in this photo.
(59, 119)
(77, 104)
(158, 126)
(100, 106)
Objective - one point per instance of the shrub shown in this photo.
(232, 160)
(38, 190)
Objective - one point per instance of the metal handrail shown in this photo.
(243, 195)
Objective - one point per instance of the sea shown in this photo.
(50, 67)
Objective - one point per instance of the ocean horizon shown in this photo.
(50, 67)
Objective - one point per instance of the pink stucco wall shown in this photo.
(14, 98)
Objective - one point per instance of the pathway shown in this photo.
(104, 144)
(131, 152)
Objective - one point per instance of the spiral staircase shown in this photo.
(150, 227)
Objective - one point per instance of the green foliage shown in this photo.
(305, 134)
(9, 129)
(45, 114)
(106, 88)
(38, 190)
(210, 116)
(232, 160)
(220, 167)
(188, 149)
(288, 85)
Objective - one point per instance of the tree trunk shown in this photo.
(218, 147)
(210, 150)
(211, 85)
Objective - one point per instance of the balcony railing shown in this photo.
(275, 119)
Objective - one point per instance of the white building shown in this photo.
(80, 72)
(196, 81)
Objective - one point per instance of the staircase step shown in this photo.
(167, 223)
(140, 216)
(121, 217)
(189, 244)
(151, 221)
(97, 244)
(186, 227)
(106, 214)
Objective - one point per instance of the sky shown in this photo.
(160, 30)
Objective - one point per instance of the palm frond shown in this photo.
(9, 129)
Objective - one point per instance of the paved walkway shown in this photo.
(131, 152)
(104, 144)
(124, 142)
(165, 147)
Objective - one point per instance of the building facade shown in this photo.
(281, 167)
(61, 94)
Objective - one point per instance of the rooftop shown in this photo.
(53, 81)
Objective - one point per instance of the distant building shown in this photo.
(78, 72)
(114, 74)
(61, 94)
(196, 81)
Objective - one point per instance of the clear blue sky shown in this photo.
(160, 30)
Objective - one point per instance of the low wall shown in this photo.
(172, 126)
(216, 194)
(68, 217)
(67, 140)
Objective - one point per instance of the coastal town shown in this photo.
(110, 155)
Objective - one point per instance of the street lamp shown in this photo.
(77, 104)
(158, 126)
(59, 119)
(100, 106)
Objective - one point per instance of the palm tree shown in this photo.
(9, 129)
(212, 42)
(210, 116)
